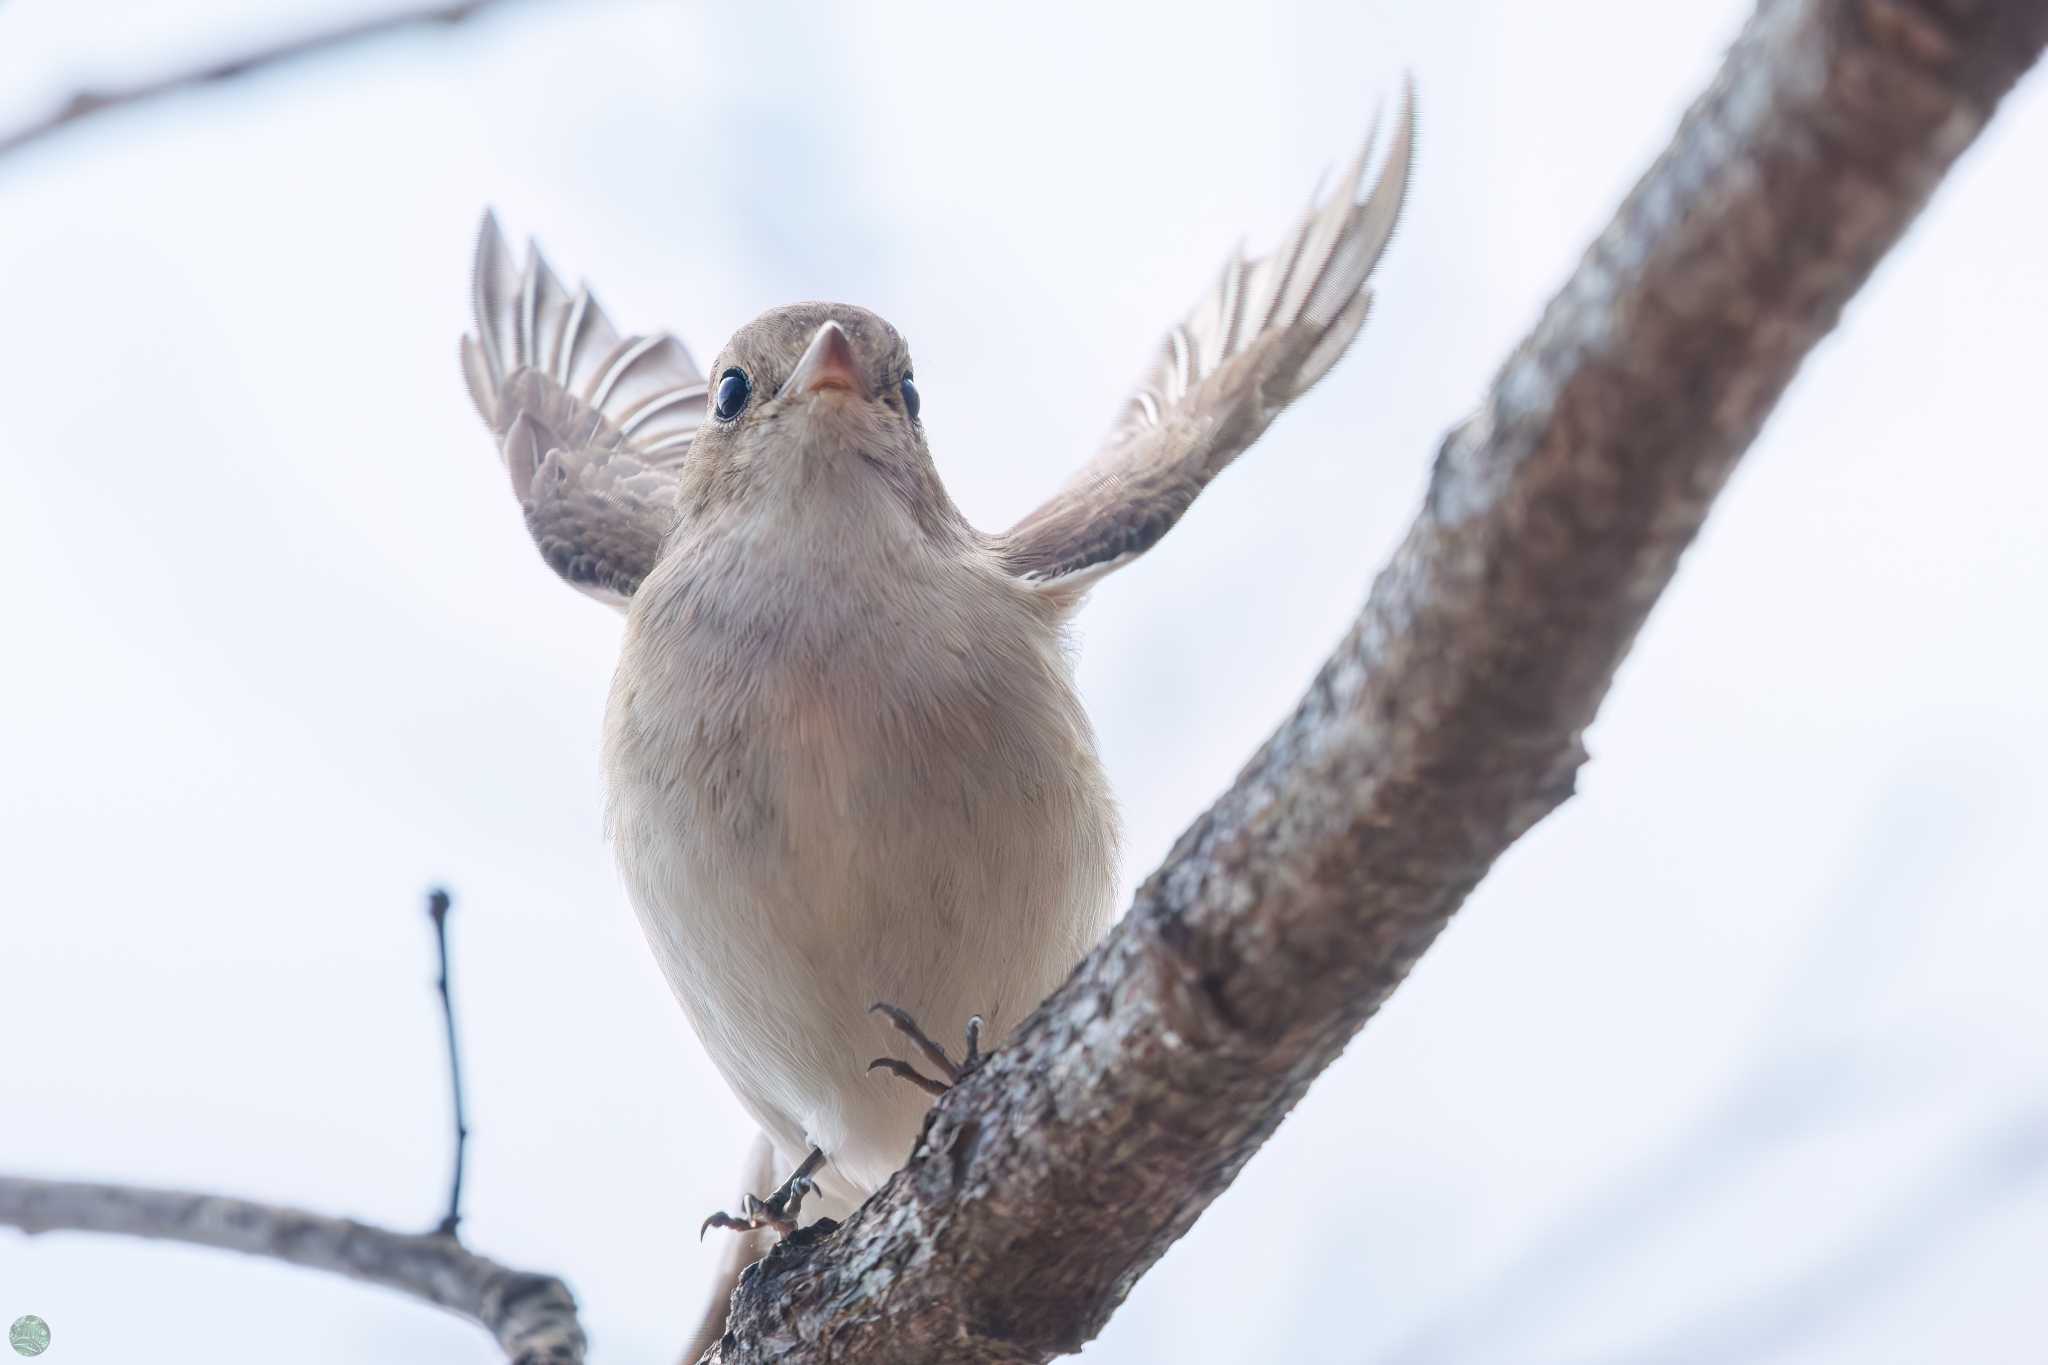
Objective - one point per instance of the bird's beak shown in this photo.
(828, 363)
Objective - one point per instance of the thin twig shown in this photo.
(91, 100)
(437, 910)
(532, 1316)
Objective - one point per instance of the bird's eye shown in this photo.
(733, 389)
(910, 398)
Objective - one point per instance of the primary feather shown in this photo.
(591, 425)
(1256, 341)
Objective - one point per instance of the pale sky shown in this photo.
(1742, 1057)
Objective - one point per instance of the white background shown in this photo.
(1738, 1058)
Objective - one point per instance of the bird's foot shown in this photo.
(779, 1210)
(935, 1054)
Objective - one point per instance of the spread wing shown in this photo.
(591, 425)
(1268, 330)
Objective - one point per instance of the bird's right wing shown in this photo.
(592, 427)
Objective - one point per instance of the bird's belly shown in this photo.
(799, 856)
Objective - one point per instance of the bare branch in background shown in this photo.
(533, 1317)
(438, 904)
(1985, 1174)
(91, 100)
(1802, 1076)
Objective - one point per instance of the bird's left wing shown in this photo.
(1268, 330)
(592, 426)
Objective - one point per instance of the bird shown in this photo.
(845, 760)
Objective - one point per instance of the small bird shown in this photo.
(845, 758)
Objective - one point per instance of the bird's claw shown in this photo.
(951, 1074)
(895, 1066)
(778, 1211)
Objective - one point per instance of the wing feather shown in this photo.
(1257, 340)
(591, 425)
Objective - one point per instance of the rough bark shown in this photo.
(1448, 722)
(533, 1317)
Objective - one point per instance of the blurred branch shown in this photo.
(1801, 1077)
(1448, 722)
(532, 1316)
(1984, 1175)
(89, 101)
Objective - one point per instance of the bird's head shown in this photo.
(816, 401)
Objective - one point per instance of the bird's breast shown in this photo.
(776, 736)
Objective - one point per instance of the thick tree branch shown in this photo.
(84, 103)
(533, 1317)
(1448, 722)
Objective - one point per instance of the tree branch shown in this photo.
(438, 903)
(88, 101)
(533, 1317)
(1448, 722)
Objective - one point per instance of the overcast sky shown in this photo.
(1743, 1056)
